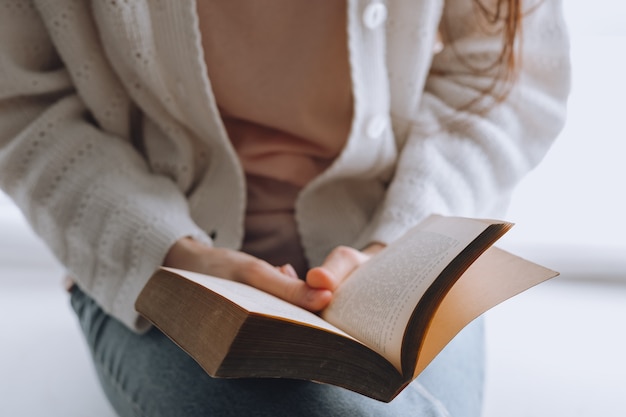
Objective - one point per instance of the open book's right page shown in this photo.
(376, 302)
(496, 276)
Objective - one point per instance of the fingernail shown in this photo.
(289, 270)
(312, 294)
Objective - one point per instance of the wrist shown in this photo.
(183, 251)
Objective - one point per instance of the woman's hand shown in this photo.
(338, 266)
(230, 264)
(313, 294)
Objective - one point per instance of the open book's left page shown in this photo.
(258, 302)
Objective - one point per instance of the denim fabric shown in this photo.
(148, 375)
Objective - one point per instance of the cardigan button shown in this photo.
(376, 126)
(374, 15)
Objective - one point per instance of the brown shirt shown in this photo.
(280, 73)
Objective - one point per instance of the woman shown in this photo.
(264, 141)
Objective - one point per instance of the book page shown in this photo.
(495, 277)
(376, 302)
(256, 301)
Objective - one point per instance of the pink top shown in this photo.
(280, 74)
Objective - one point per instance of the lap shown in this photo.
(148, 375)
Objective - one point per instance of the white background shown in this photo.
(576, 196)
(557, 350)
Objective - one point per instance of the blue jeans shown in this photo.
(148, 375)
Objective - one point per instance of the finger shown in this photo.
(273, 281)
(245, 268)
(288, 270)
(336, 268)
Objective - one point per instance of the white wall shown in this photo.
(577, 193)
(575, 199)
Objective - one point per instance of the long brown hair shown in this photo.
(504, 17)
(509, 12)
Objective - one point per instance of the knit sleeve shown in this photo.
(74, 173)
(463, 155)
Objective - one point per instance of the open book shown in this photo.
(385, 324)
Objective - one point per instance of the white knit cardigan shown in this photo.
(111, 143)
